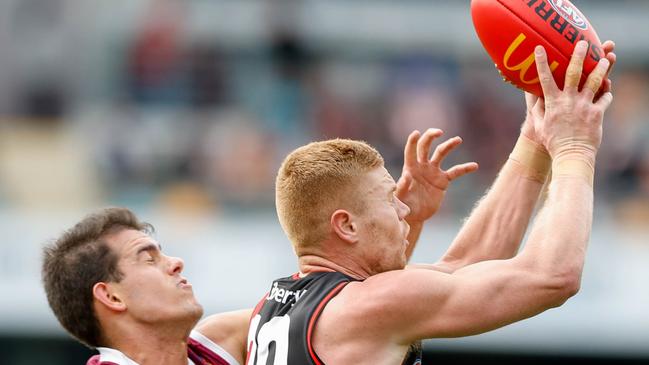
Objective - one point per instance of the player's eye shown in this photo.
(148, 257)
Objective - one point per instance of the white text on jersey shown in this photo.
(281, 295)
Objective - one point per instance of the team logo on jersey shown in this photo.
(570, 13)
(281, 295)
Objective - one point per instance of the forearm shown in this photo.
(496, 226)
(559, 238)
(413, 237)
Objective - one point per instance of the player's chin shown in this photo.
(401, 263)
(195, 309)
(191, 300)
(199, 309)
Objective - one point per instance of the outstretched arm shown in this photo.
(491, 294)
(229, 330)
(495, 228)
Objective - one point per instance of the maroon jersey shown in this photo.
(200, 351)
(282, 324)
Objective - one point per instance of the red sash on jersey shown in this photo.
(201, 355)
(95, 361)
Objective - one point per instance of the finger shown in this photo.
(461, 170)
(607, 88)
(605, 101)
(608, 46)
(576, 66)
(548, 85)
(595, 79)
(410, 151)
(612, 58)
(444, 149)
(608, 84)
(423, 146)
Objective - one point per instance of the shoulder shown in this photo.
(366, 318)
(222, 326)
(379, 291)
(382, 302)
(228, 330)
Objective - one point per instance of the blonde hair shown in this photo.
(314, 181)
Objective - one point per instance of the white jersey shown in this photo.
(200, 351)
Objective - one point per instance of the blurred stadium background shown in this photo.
(183, 110)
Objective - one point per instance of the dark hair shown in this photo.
(78, 260)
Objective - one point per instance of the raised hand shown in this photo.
(573, 117)
(536, 105)
(423, 182)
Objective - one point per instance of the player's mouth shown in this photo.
(184, 284)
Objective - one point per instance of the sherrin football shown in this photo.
(510, 30)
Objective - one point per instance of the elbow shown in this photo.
(558, 281)
(565, 286)
(570, 288)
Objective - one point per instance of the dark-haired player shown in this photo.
(113, 289)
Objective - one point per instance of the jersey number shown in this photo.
(272, 339)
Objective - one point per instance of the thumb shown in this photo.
(404, 181)
(530, 100)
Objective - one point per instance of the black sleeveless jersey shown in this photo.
(282, 324)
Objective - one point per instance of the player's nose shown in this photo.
(176, 265)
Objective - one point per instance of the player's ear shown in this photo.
(108, 296)
(344, 226)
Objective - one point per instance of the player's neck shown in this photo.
(148, 345)
(316, 263)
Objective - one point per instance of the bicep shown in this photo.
(228, 330)
(490, 295)
(475, 299)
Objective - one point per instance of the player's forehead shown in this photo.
(379, 181)
(127, 242)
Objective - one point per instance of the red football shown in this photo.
(510, 29)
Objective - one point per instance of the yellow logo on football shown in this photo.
(524, 66)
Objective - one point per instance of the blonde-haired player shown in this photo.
(355, 302)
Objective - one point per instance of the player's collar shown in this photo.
(107, 354)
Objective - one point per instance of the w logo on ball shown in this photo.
(524, 66)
